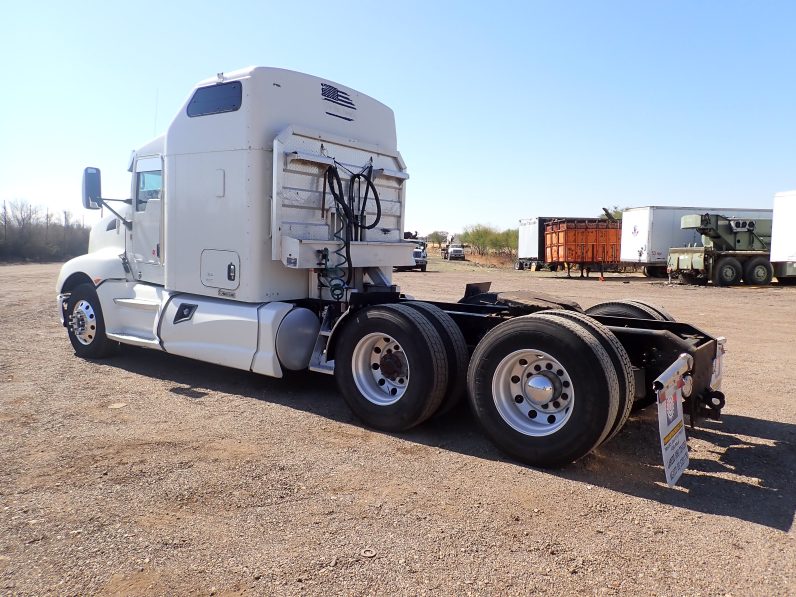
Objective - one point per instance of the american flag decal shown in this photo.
(330, 93)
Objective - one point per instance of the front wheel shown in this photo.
(86, 325)
(390, 367)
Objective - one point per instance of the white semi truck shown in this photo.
(261, 234)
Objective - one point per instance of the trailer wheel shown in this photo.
(626, 308)
(758, 271)
(543, 389)
(390, 366)
(727, 272)
(456, 353)
(619, 358)
(86, 325)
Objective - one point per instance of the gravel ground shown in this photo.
(152, 474)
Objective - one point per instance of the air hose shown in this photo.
(349, 223)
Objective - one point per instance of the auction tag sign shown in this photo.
(671, 424)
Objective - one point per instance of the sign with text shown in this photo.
(671, 424)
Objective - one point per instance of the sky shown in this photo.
(504, 110)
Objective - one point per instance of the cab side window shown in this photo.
(149, 186)
(148, 180)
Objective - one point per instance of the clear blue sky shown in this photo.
(504, 110)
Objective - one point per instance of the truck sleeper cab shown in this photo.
(261, 234)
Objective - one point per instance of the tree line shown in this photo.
(34, 234)
(482, 239)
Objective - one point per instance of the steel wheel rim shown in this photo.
(727, 273)
(532, 381)
(759, 273)
(84, 322)
(381, 369)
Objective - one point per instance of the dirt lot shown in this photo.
(152, 474)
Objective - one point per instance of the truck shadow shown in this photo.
(740, 467)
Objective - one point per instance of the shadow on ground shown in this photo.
(749, 478)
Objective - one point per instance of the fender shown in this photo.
(105, 264)
(93, 268)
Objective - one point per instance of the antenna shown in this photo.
(155, 124)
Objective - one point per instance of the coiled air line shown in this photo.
(350, 223)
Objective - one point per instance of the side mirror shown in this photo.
(92, 188)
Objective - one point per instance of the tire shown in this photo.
(655, 271)
(86, 325)
(658, 309)
(568, 382)
(758, 272)
(625, 308)
(519, 265)
(456, 353)
(398, 339)
(694, 279)
(619, 359)
(423, 268)
(727, 272)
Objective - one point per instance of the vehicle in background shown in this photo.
(453, 253)
(530, 243)
(586, 243)
(733, 249)
(420, 256)
(783, 239)
(649, 232)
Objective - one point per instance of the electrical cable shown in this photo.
(350, 222)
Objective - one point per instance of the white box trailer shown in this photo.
(261, 233)
(649, 232)
(783, 240)
(530, 242)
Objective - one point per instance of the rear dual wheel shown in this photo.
(630, 308)
(727, 271)
(619, 359)
(758, 272)
(544, 389)
(394, 364)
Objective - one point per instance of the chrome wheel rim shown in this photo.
(381, 369)
(84, 322)
(533, 392)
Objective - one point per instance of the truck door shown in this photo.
(145, 250)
